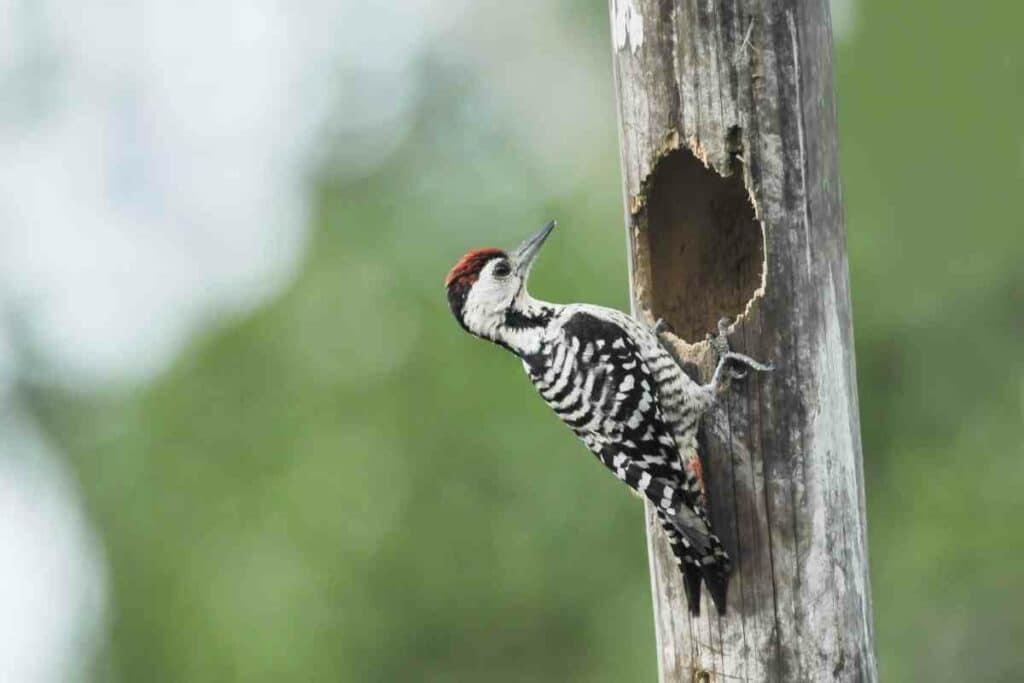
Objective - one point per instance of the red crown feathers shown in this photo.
(467, 270)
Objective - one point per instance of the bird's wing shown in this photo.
(600, 385)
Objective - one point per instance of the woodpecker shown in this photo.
(608, 377)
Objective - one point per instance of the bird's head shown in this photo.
(487, 287)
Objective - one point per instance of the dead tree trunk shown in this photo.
(733, 208)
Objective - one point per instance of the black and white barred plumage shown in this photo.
(610, 380)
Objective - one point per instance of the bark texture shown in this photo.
(733, 207)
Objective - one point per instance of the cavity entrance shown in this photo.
(700, 246)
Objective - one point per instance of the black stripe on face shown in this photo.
(463, 277)
(457, 293)
(517, 319)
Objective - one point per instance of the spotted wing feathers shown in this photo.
(597, 381)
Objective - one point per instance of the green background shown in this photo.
(344, 486)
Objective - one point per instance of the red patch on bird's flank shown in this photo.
(467, 270)
(697, 469)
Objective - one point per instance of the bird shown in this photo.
(609, 378)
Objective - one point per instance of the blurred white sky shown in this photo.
(155, 151)
(52, 579)
(153, 179)
(152, 172)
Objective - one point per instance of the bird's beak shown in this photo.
(525, 254)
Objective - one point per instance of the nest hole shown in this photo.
(704, 245)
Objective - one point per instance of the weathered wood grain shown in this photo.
(745, 86)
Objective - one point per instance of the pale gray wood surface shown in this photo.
(746, 87)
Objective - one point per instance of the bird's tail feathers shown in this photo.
(701, 559)
(692, 577)
(716, 578)
(713, 570)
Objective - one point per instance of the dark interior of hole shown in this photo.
(705, 246)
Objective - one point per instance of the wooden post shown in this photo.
(733, 208)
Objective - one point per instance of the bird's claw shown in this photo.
(720, 345)
(720, 342)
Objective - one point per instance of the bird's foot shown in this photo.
(719, 343)
(728, 360)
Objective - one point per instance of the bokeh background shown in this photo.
(242, 439)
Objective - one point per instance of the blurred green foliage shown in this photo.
(344, 486)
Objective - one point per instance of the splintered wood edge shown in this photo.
(697, 351)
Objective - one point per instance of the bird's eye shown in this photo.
(502, 269)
